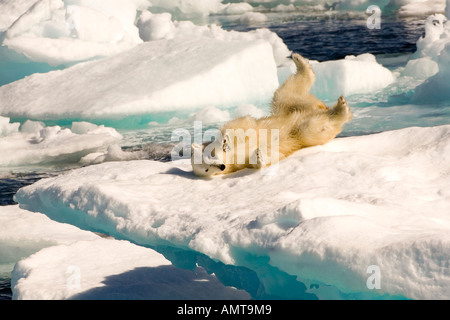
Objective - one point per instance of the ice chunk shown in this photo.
(431, 44)
(59, 33)
(321, 215)
(250, 110)
(152, 77)
(437, 88)
(236, 8)
(407, 8)
(6, 127)
(434, 47)
(252, 18)
(23, 233)
(210, 115)
(155, 26)
(284, 8)
(59, 261)
(112, 270)
(352, 75)
(421, 68)
(37, 144)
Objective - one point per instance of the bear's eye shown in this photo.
(206, 170)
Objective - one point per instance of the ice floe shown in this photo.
(163, 76)
(327, 214)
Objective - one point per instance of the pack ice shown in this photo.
(329, 215)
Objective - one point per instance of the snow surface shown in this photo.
(326, 214)
(163, 76)
(34, 143)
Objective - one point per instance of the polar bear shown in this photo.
(298, 120)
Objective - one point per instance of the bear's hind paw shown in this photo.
(341, 108)
(300, 61)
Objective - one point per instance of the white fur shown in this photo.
(298, 120)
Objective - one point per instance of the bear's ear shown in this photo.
(195, 146)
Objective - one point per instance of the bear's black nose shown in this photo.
(222, 167)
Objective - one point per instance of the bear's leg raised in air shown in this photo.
(293, 94)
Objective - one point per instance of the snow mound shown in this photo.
(327, 214)
(352, 75)
(34, 143)
(152, 77)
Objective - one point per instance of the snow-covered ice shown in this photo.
(428, 68)
(162, 76)
(111, 269)
(352, 75)
(51, 260)
(33, 143)
(326, 215)
(250, 18)
(61, 32)
(433, 52)
(23, 233)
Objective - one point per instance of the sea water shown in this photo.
(318, 36)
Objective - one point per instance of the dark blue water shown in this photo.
(335, 36)
(15, 181)
(5, 289)
(318, 38)
(332, 39)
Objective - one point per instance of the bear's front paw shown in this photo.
(260, 160)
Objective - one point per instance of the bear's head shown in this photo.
(207, 158)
